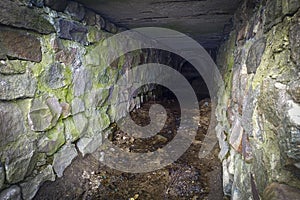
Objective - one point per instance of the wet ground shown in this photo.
(188, 178)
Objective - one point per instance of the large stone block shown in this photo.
(44, 113)
(88, 145)
(64, 158)
(295, 43)
(54, 76)
(17, 86)
(254, 56)
(11, 193)
(52, 140)
(16, 15)
(72, 30)
(17, 158)
(11, 123)
(20, 44)
(30, 187)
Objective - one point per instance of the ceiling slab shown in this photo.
(204, 20)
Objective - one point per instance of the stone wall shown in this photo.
(259, 112)
(55, 89)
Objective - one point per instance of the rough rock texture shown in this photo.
(63, 159)
(20, 44)
(17, 86)
(258, 113)
(44, 113)
(205, 21)
(2, 176)
(12, 193)
(72, 30)
(58, 5)
(15, 14)
(55, 89)
(10, 67)
(30, 187)
(255, 54)
(277, 191)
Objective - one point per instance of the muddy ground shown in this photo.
(188, 178)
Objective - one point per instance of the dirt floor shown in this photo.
(188, 178)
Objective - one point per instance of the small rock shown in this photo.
(72, 134)
(72, 30)
(254, 56)
(2, 176)
(12, 67)
(100, 22)
(236, 135)
(30, 188)
(294, 90)
(54, 76)
(64, 158)
(294, 112)
(110, 27)
(94, 35)
(295, 44)
(37, 3)
(88, 145)
(77, 106)
(75, 10)
(58, 5)
(81, 123)
(161, 139)
(67, 56)
(11, 193)
(82, 81)
(66, 110)
(277, 191)
(90, 18)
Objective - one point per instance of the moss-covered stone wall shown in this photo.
(259, 112)
(55, 89)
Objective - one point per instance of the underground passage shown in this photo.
(152, 99)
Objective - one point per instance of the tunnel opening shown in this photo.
(187, 178)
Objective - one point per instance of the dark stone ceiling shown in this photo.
(204, 20)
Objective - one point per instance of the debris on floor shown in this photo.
(187, 178)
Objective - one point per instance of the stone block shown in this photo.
(58, 5)
(16, 15)
(17, 86)
(64, 158)
(31, 186)
(11, 193)
(44, 113)
(254, 56)
(72, 30)
(75, 10)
